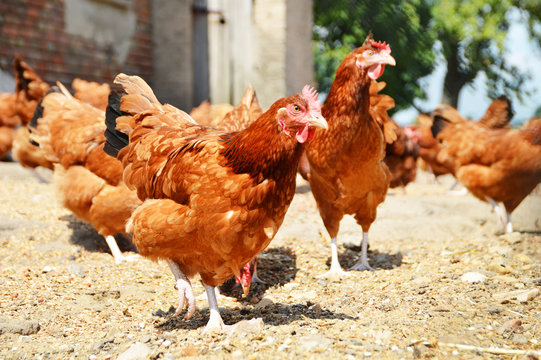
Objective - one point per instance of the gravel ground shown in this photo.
(445, 276)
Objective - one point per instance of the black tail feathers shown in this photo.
(438, 125)
(38, 113)
(116, 140)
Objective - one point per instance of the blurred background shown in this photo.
(464, 53)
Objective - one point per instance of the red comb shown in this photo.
(310, 95)
(380, 45)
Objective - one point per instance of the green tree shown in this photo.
(469, 34)
(472, 35)
(342, 25)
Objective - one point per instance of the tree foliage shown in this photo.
(342, 25)
(470, 33)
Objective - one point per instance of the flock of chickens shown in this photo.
(208, 192)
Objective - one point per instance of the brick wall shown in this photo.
(36, 30)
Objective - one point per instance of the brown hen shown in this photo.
(347, 172)
(70, 134)
(495, 165)
(213, 199)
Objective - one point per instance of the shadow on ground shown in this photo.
(87, 237)
(275, 314)
(376, 259)
(275, 266)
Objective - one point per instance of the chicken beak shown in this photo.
(317, 120)
(387, 60)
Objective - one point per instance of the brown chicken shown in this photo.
(70, 134)
(498, 115)
(29, 89)
(9, 120)
(495, 165)
(213, 199)
(347, 171)
(401, 157)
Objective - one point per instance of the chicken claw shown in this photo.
(335, 273)
(360, 266)
(363, 263)
(117, 254)
(215, 321)
(185, 291)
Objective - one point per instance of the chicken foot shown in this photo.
(335, 272)
(215, 320)
(117, 254)
(256, 279)
(504, 218)
(185, 291)
(363, 263)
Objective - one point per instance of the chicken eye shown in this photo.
(296, 108)
(370, 53)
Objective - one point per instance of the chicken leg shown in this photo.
(117, 254)
(335, 272)
(363, 263)
(185, 291)
(215, 320)
(504, 218)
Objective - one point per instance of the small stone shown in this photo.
(290, 286)
(519, 339)
(514, 324)
(166, 343)
(473, 277)
(145, 339)
(16, 326)
(137, 351)
(264, 303)
(528, 295)
(77, 270)
(246, 327)
(310, 342)
(101, 344)
(500, 268)
(47, 269)
(520, 295)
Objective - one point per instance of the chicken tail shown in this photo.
(28, 81)
(130, 101)
(38, 114)
(115, 139)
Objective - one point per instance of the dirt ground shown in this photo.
(446, 279)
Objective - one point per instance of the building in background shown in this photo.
(188, 50)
